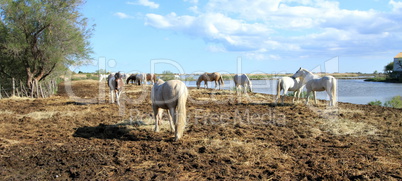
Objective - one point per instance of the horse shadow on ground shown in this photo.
(120, 131)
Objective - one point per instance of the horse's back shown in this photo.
(110, 80)
(241, 79)
(173, 88)
(166, 94)
(320, 84)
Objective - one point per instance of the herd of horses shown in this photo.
(172, 95)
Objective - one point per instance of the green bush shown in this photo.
(395, 102)
(166, 75)
(303, 94)
(375, 103)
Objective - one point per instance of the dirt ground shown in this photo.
(79, 135)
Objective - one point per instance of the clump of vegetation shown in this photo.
(259, 77)
(375, 103)
(389, 75)
(303, 94)
(39, 40)
(166, 75)
(395, 102)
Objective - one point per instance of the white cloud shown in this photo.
(191, 1)
(287, 27)
(123, 15)
(146, 3)
(397, 6)
(234, 34)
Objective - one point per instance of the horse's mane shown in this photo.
(306, 70)
(118, 75)
(160, 81)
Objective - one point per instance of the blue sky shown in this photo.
(266, 36)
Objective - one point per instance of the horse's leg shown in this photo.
(278, 95)
(157, 116)
(285, 92)
(298, 94)
(112, 96)
(308, 95)
(170, 111)
(118, 97)
(173, 115)
(330, 97)
(294, 96)
(315, 97)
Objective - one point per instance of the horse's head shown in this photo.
(299, 73)
(119, 84)
(118, 75)
(118, 81)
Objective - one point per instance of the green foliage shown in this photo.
(303, 94)
(167, 75)
(40, 38)
(389, 68)
(375, 103)
(390, 75)
(259, 77)
(250, 76)
(395, 102)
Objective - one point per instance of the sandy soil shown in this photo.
(79, 135)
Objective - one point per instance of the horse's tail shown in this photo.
(198, 83)
(181, 114)
(333, 91)
(221, 80)
(278, 89)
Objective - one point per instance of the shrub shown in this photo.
(375, 103)
(395, 102)
(303, 94)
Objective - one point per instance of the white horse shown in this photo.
(316, 83)
(244, 81)
(141, 78)
(116, 84)
(102, 76)
(288, 84)
(171, 95)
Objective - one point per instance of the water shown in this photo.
(355, 91)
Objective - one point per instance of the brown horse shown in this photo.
(116, 84)
(217, 77)
(152, 78)
(131, 77)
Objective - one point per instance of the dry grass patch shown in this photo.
(42, 115)
(350, 111)
(347, 127)
(6, 112)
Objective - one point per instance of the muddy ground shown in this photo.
(79, 135)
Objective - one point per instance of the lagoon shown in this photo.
(355, 91)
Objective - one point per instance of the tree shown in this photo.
(389, 68)
(40, 37)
